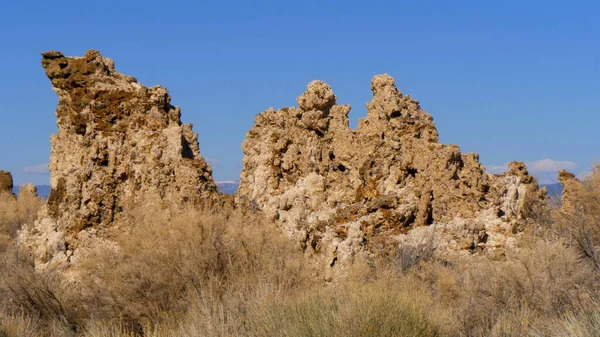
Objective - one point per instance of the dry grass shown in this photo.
(231, 274)
(511, 298)
(581, 226)
(14, 213)
(164, 262)
(583, 323)
(387, 306)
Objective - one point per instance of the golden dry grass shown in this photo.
(229, 273)
(14, 213)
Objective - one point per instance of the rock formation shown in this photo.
(6, 182)
(117, 142)
(28, 191)
(335, 189)
(572, 190)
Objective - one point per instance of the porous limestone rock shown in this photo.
(571, 191)
(6, 182)
(117, 143)
(336, 190)
(28, 191)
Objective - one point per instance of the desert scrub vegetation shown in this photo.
(14, 213)
(168, 269)
(230, 273)
(579, 223)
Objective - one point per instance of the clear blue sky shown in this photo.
(510, 80)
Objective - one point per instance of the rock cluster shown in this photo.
(335, 189)
(117, 142)
(6, 182)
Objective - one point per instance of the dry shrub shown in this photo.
(510, 298)
(581, 323)
(228, 273)
(579, 225)
(14, 213)
(31, 303)
(412, 255)
(388, 306)
(15, 325)
(37, 293)
(193, 270)
(232, 274)
(43, 297)
(168, 265)
(98, 328)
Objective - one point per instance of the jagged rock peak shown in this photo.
(329, 185)
(117, 143)
(385, 94)
(318, 96)
(94, 97)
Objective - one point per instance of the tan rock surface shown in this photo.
(28, 191)
(117, 142)
(335, 189)
(572, 189)
(6, 182)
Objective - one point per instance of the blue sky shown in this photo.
(510, 80)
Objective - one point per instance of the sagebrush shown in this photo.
(230, 273)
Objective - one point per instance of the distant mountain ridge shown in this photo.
(225, 187)
(228, 187)
(554, 189)
(231, 187)
(42, 190)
